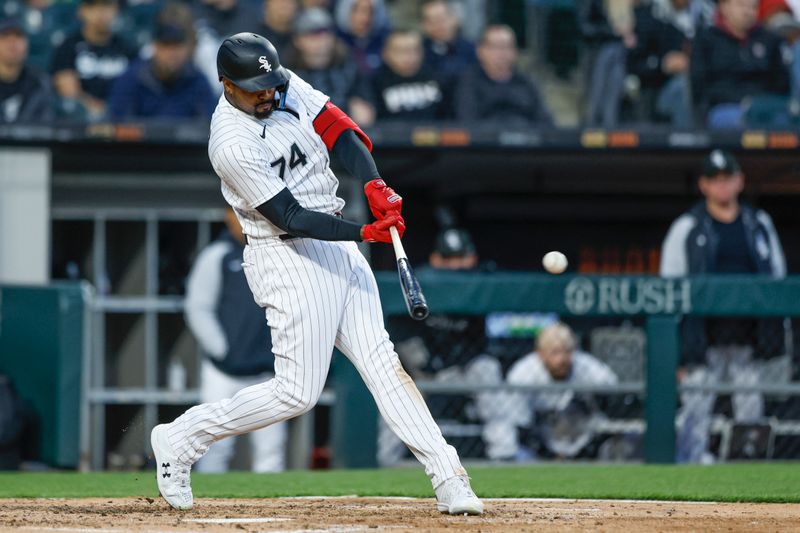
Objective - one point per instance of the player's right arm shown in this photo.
(346, 141)
(246, 170)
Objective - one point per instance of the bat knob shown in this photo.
(419, 313)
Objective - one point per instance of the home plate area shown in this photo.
(346, 514)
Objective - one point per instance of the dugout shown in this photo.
(586, 192)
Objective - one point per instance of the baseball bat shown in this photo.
(415, 300)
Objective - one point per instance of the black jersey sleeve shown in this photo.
(354, 155)
(284, 211)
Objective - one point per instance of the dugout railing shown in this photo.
(657, 305)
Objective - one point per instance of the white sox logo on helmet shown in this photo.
(264, 64)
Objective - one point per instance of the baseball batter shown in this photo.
(272, 136)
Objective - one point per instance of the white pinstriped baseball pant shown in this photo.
(318, 294)
(267, 445)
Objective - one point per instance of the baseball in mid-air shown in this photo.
(555, 262)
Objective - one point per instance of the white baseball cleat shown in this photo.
(455, 496)
(172, 475)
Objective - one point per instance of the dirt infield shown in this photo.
(395, 514)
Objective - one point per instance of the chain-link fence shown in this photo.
(572, 383)
(737, 396)
(476, 371)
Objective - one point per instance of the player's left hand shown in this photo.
(382, 198)
(378, 231)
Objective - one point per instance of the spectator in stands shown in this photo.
(494, 90)
(446, 52)
(560, 423)
(607, 30)
(277, 23)
(215, 20)
(138, 20)
(403, 88)
(363, 26)
(46, 24)
(225, 17)
(724, 236)
(781, 18)
(688, 16)
(229, 326)
(660, 59)
(739, 68)
(165, 86)
(322, 60)
(86, 64)
(25, 93)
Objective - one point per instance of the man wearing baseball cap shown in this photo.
(721, 235)
(25, 93)
(454, 250)
(167, 85)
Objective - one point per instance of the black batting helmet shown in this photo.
(251, 62)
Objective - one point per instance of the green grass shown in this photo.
(773, 482)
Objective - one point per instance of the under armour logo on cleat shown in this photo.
(166, 473)
(264, 64)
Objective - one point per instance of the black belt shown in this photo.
(283, 237)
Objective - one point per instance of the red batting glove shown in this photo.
(378, 231)
(382, 198)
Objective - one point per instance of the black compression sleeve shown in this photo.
(354, 156)
(284, 211)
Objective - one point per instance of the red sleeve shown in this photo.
(332, 121)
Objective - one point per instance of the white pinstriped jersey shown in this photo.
(256, 159)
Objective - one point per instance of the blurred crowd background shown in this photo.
(564, 63)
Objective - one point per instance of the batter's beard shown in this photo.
(264, 114)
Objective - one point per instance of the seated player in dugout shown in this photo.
(272, 137)
(454, 250)
(529, 425)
